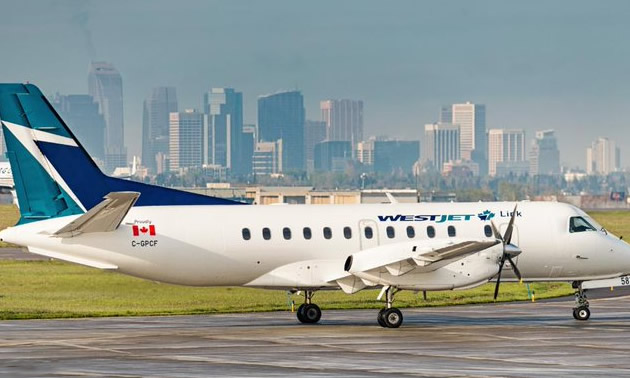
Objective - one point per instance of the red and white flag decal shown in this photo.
(141, 231)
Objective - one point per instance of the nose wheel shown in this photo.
(581, 310)
(309, 313)
(390, 317)
(581, 313)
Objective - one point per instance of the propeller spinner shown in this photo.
(509, 250)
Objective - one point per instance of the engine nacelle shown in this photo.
(413, 273)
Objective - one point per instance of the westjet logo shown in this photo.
(422, 218)
(485, 215)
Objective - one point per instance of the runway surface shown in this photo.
(521, 339)
(19, 255)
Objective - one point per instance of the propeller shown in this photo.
(509, 250)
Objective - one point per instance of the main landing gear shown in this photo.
(309, 313)
(580, 311)
(390, 317)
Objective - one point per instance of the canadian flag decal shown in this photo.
(143, 230)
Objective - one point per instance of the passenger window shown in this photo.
(431, 232)
(579, 224)
(411, 232)
(390, 232)
(266, 233)
(246, 234)
(347, 232)
(307, 233)
(327, 233)
(451, 231)
(369, 234)
(286, 232)
(487, 230)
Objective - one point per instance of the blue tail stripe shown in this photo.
(90, 185)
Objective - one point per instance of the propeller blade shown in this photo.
(496, 288)
(508, 231)
(496, 232)
(515, 269)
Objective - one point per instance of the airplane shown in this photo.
(6, 180)
(71, 211)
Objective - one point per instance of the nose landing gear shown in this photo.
(308, 312)
(581, 310)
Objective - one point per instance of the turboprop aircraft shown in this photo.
(6, 180)
(71, 211)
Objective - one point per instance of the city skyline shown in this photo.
(536, 67)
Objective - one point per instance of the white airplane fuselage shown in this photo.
(205, 245)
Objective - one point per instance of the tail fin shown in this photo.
(54, 176)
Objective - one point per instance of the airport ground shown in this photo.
(517, 339)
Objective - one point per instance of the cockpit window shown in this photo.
(579, 224)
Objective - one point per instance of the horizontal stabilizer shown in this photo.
(104, 217)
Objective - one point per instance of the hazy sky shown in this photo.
(535, 64)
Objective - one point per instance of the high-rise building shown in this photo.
(344, 120)
(332, 155)
(82, 115)
(446, 114)
(267, 159)
(224, 107)
(155, 126)
(471, 119)
(440, 144)
(391, 156)
(506, 150)
(314, 132)
(281, 116)
(186, 139)
(602, 157)
(105, 86)
(544, 157)
(250, 138)
(365, 152)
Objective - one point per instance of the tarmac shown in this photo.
(19, 255)
(516, 339)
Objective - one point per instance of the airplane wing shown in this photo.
(399, 259)
(392, 259)
(104, 217)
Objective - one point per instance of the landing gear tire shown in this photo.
(308, 312)
(379, 318)
(300, 313)
(581, 313)
(311, 313)
(390, 318)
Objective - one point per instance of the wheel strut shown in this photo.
(581, 310)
